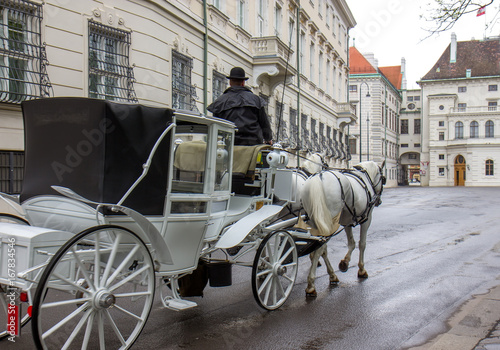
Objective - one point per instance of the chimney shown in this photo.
(403, 72)
(453, 48)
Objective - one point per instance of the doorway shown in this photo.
(460, 171)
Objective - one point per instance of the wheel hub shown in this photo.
(104, 300)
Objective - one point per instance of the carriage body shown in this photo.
(164, 188)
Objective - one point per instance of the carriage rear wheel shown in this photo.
(274, 270)
(96, 292)
(4, 300)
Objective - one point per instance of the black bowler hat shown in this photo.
(237, 73)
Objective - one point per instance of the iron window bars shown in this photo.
(183, 93)
(23, 60)
(110, 74)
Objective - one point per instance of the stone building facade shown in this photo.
(177, 54)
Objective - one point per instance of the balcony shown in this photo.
(346, 114)
(270, 57)
(474, 110)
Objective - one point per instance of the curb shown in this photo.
(475, 326)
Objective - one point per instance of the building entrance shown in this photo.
(460, 171)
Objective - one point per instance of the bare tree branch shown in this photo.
(445, 13)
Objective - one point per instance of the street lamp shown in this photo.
(368, 136)
(360, 104)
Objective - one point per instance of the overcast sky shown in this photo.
(392, 29)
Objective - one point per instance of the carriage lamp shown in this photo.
(221, 152)
(277, 159)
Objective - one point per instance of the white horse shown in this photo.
(341, 198)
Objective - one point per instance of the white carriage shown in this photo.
(120, 200)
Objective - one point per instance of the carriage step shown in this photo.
(179, 304)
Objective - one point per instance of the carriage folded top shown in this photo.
(96, 148)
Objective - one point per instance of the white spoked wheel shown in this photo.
(4, 299)
(95, 293)
(274, 270)
(13, 219)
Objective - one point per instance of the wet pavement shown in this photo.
(433, 256)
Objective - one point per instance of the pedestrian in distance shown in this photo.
(241, 106)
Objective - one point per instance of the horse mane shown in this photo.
(370, 167)
(313, 164)
(315, 205)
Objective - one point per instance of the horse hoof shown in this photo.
(311, 293)
(343, 266)
(363, 275)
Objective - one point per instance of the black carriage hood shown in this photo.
(97, 149)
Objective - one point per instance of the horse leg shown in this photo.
(311, 288)
(362, 245)
(333, 277)
(351, 244)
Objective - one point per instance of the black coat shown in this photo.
(241, 106)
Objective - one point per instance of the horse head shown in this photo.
(375, 174)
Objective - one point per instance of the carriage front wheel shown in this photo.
(274, 270)
(96, 292)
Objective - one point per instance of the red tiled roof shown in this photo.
(393, 74)
(481, 57)
(358, 64)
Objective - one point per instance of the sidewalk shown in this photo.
(476, 326)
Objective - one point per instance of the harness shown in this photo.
(373, 198)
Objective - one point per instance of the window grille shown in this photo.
(23, 60)
(306, 141)
(294, 129)
(404, 126)
(219, 84)
(110, 74)
(416, 126)
(11, 172)
(314, 136)
(281, 132)
(183, 93)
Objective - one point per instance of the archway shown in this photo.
(460, 170)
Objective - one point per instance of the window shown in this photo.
(217, 4)
(462, 89)
(110, 75)
(352, 146)
(459, 130)
(311, 63)
(412, 156)
(404, 126)
(320, 69)
(441, 156)
(441, 123)
(241, 13)
(306, 141)
(492, 106)
(314, 136)
(277, 20)
(489, 129)
(294, 130)
(280, 129)
(416, 145)
(22, 55)
(260, 17)
(11, 172)
(183, 94)
(489, 168)
(462, 107)
(416, 98)
(404, 145)
(353, 88)
(474, 130)
(409, 98)
(302, 48)
(441, 171)
(492, 87)
(327, 77)
(219, 83)
(416, 126)
(441, 136)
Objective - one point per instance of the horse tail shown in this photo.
(315, 205)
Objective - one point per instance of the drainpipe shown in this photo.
(205, 58)
(298, 83)
(385, 131)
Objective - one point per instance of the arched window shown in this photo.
(459, 130)
(489, 168)
(474, 130)
(490, 129)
